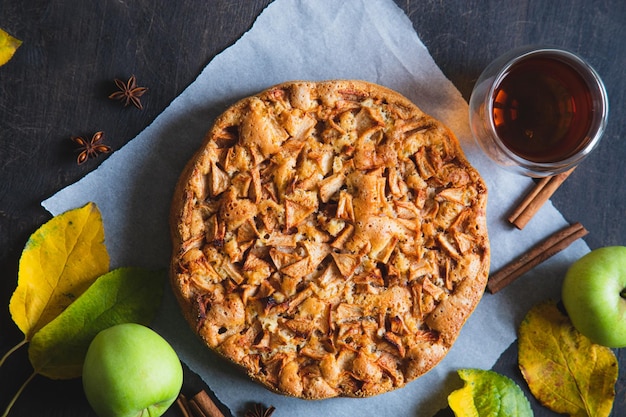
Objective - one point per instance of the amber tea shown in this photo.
(542, 109)
(538, 111)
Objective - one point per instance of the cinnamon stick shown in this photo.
(183, 404)
(536, 198)
(202, 406)
(539, 253)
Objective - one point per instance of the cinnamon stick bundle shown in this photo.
(539, 253)
(200, 405)
(536, 198)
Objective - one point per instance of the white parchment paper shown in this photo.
(371, 40)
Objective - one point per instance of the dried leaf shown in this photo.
(565, 371)
(8, 46)
(60, 260)
(120, 296)
(487, 393)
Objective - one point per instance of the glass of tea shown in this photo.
(538, 111)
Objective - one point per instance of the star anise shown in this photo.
(92, 148)
(129, 92)
(260, 410)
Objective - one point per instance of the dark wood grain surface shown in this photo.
(57, 85)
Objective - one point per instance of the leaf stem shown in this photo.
(17, 394)
(13, 349)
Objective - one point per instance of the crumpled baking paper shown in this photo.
(371, 40)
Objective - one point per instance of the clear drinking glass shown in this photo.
(538, 111)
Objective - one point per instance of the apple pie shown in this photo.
(330, 238)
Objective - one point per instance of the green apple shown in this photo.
(130, 370)
(594, 295)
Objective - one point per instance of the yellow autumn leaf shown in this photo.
(8, 46)
(565, 371)
(59, 262)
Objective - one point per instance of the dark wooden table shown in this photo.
(57, 84)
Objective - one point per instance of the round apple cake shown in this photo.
(330, 238)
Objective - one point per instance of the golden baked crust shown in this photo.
(330, 238)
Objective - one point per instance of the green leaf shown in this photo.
(59, 262)
(565, 371)
(8, 46)
(488, 394)
(124, 295)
